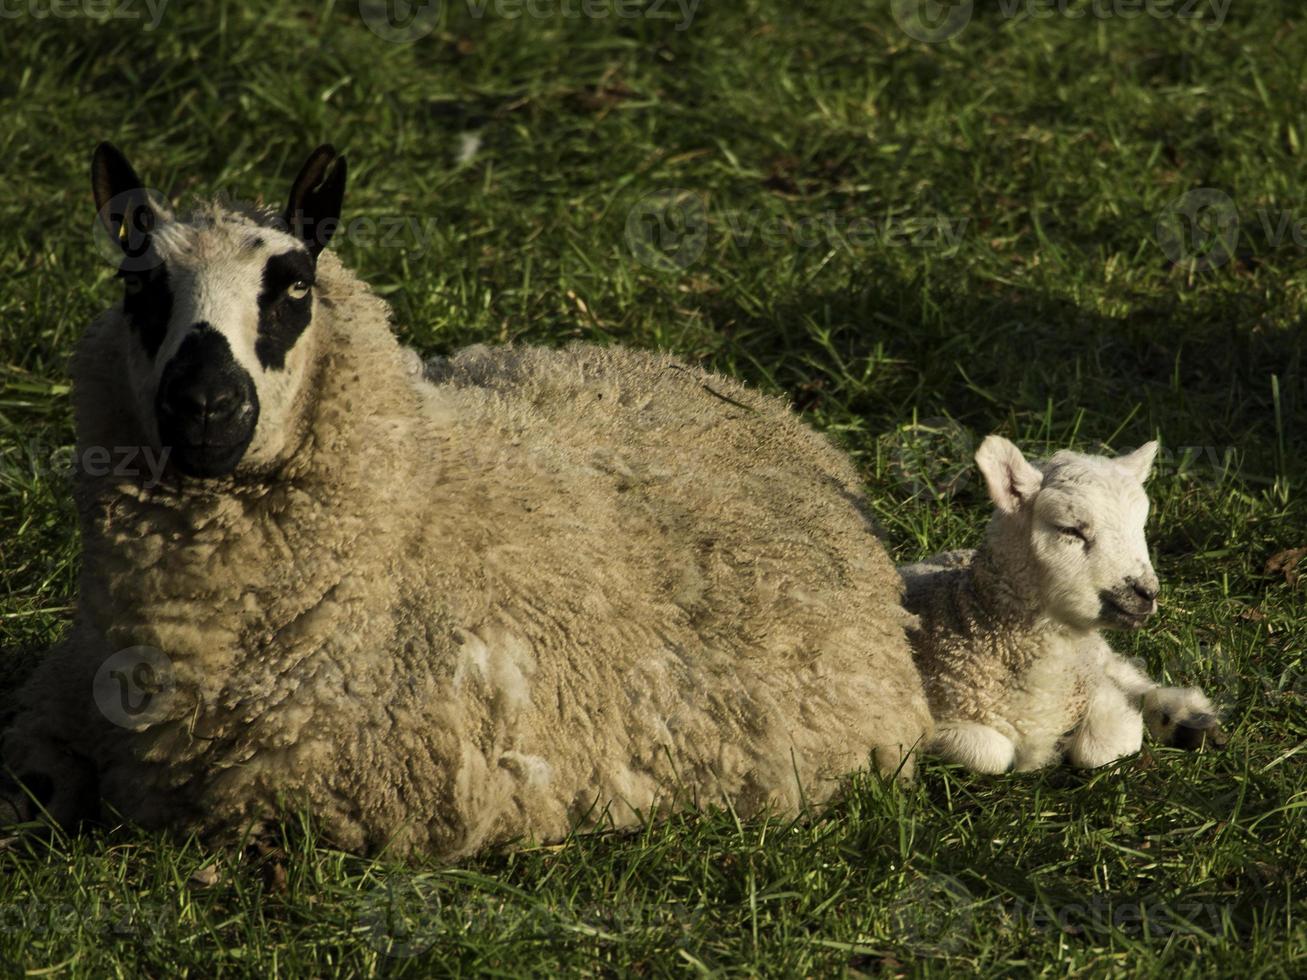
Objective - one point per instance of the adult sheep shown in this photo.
(535, 591)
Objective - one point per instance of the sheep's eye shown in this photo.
(133, 283)
(298, 289)
(1074, 532)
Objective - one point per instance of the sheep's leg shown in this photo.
(1181, 717)
(1112, 728)
(976, 746)
(40, 779)
(42, 772)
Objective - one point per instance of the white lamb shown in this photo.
(1014, 666)
(541, 590)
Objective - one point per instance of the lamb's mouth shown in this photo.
(1118, 615)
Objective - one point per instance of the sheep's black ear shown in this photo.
(122, 201)
(313, 213)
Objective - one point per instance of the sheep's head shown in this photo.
(1078, 521)
(218, 312)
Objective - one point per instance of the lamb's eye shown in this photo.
(298, 289)
(1074, 532)
(133, 283)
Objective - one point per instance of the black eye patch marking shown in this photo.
(285, 307)
(147, 305)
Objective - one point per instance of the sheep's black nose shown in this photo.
(207, 406)
(202, 399)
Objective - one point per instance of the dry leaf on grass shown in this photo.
(1287, 563)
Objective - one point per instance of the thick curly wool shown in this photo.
(536, 590)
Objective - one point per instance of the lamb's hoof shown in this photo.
(1199, 731)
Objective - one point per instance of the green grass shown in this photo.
(920, 244)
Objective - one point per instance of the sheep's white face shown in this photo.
(219, 341)
(219, 311)
(1081, 519)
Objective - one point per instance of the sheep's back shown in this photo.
(686, 578)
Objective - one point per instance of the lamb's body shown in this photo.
(1015, 669)
(990, 666)
(542, 590)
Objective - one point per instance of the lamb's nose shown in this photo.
(1145, 591)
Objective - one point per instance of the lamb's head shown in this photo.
(218, 313)
(1077, 523)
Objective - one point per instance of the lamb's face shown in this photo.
(1080, 521)
(219, 311)
(1087, 538)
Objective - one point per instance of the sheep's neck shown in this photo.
(219, 535)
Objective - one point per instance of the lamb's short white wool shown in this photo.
(527, 592)
(1015, 668)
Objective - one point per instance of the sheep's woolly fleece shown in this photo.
(519, 592)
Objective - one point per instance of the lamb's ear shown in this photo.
(1140, 462)
(1011, 480)
(122, 201)
(313, 213)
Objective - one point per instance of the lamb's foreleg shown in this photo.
(1112, 728)
(974, 745)
(1181, 717)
